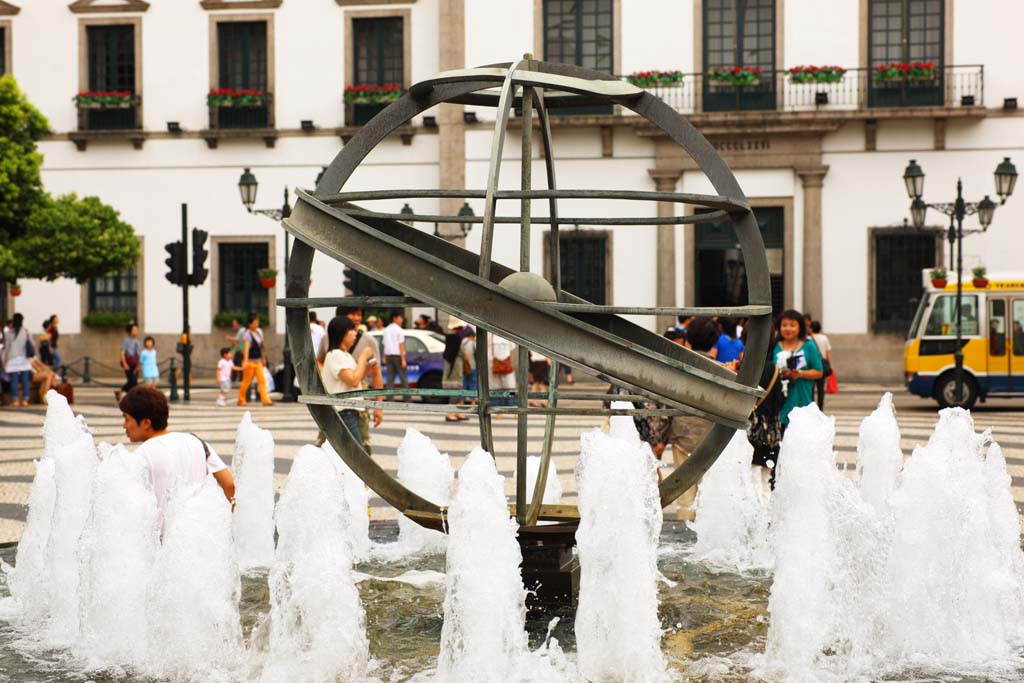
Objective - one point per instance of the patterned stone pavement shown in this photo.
(292, 427)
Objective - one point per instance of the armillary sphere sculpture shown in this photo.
(516, 305)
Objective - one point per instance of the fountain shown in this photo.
(253, 467)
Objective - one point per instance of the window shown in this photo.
(739, 33)
(242, 65)
(377, 47)
(899, 259)
(414, 345)
(3, 49)
(905, 31)
(114, 293)
(942, 321)
(111, 67)
(239, 285)
(580, 32)
(720, 276)
(584, 257)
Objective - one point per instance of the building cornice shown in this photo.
(8, 10)
(96, 7)
(239, 4)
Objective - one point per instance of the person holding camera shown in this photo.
(341, 372)
(799, 364)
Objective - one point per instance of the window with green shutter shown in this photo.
(739, 33)
(580, 32)
(111, 68)
(242, 65)
(239, 288)
(116, 293)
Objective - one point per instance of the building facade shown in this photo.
(215, 86)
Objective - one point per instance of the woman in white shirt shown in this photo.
(341, 372)
(17, 362)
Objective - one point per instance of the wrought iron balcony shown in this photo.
(97, 116)
(859, 89)
(246, 116)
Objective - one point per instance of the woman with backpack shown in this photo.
(17, 358)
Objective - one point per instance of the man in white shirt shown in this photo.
(174, 458)
(316, 330)
(394, 350)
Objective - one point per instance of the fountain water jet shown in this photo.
(317, 621)
(618, 635)
(253, 467)
(426, 471)
(357, 496)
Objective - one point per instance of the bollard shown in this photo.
(63, 374)
(172, 375)
(86, 375)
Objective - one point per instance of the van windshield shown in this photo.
(942, 321)
(916, 324)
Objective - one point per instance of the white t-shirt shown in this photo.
(393, 337)
(224, 368)
(317, 332)
(177, 459)
(336, 361)
(824, 345)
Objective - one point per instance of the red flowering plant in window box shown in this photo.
(737, 76)
(229, 97)
(371, 93)
(816, 74)
(106, 99)
(898, 71)
(655, 79)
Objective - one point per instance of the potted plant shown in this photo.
(905, 72)
(363, 102)
(229, 97)
(938, 276)
(14, 288)
(268, 277)
(980, 281)
(737, 76)
(816, 74)
(107, 99)
(656, 79)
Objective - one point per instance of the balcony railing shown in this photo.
(110, 117)
(953, 86)
(242, 115)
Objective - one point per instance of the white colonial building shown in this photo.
(821, 162)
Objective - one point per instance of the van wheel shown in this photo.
(945, 391)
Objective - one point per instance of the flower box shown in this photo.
(900, 72)
(229, 97)
(108, 99)
(371, 93)
(656, 79)
(15, 290)
(268, 282)
(737, 76)
(939, 282)
(817, 74)
(980, 282)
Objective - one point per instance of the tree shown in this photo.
(43, 237)
(76, 238)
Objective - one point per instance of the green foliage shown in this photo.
(266, 273)
(979, 271)
(104, 319)
(75, 238)
(224, 318)
(21, 188)
(7, 269)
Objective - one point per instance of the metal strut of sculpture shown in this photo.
(516, 305)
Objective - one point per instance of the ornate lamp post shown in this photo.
(1005, 179)
(247, 186)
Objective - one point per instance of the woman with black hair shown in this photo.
(17, 355)
(254, 361)
(341, 372)
(765, 430)
(799, 363)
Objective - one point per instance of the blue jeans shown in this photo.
(351, 420)
(469, 381)
(56, 360)
(23, 377)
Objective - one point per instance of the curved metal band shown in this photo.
(711, 216)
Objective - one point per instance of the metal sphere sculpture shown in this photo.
(515, 304)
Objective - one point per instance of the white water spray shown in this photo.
(618, 635)
(193, 598)
(317, 621)
(117, 551)
(483, 636)
(357, 496)
(427, 472)
(253, 468)
(27, 579)
(732, 512)
(879, 458)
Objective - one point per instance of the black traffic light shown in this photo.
(176, 274)
(199, 254)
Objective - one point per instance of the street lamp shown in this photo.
(247, 186)
(913, 179)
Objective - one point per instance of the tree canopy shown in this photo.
(42, 236)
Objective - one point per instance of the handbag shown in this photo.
(501, 366)
(30, 349)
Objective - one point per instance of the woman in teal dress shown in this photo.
(799, 363)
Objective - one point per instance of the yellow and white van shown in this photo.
(992, 339)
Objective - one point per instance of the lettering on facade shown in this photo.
(749, 145)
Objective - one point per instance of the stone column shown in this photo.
(665, 181)
(451, 127)
(812, 179)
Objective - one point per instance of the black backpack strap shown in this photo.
(206, 449)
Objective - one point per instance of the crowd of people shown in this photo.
(29, 365)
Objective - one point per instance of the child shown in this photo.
(150, 371)
(224, 369)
